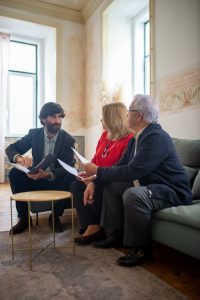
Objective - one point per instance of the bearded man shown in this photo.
(49, 139)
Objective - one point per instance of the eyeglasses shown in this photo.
(134, 110)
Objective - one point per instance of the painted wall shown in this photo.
(93, 74)
(177, 50)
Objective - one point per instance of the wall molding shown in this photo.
(52, 10)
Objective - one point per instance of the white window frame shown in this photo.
(138, 50)
(146, 58)
(39, 86)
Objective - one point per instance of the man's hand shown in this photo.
(25, 161)
(88, 194)
(90, 169)
(40, 175)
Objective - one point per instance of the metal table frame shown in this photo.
(30, 249)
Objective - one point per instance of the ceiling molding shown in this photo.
(41, 8)
(89, 8)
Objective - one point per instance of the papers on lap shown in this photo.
(21, 168)
(43, 165)
(81, 158)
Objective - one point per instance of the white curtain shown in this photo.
(4, 65)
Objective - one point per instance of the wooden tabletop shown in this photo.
(38, 196)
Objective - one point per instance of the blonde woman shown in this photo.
(111, 145)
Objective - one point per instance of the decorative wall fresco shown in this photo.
(179, 91)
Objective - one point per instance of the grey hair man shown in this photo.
(147, 178)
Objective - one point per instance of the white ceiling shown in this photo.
(128, 8)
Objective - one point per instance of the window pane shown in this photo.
(21, 103)
(146, 39)
(22, 57)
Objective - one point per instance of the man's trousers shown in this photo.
(20, 182)
(129, 209)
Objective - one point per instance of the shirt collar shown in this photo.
(52, 139)
(140, 132)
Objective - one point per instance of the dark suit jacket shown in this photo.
(155, 162)
(35, 140)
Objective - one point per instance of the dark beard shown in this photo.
(53, 129)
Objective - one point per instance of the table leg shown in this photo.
(72, 205)
(30, 240)
(53, 223)
(11, 218)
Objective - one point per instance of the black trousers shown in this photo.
(20, 182)
(128, 209)
(91, 213)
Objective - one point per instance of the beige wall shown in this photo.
(177, 46)
(93, 29)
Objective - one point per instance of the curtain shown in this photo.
(4, 65)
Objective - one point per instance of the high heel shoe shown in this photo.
(89, 239)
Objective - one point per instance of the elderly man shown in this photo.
(49, 139)
(148, 177)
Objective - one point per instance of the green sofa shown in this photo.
(179, 227)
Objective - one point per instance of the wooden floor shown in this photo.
(177, 269)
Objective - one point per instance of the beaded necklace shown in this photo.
(106, 149)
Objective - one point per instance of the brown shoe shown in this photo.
(20, 226)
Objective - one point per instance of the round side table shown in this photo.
(41, 196)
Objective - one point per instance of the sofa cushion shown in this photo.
(196, 187)
(188, 151)
(184, 214)
(191, 172)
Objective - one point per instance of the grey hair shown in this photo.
(147, 105)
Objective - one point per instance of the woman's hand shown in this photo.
(90, 168)
(89, 179)
(89, 193)
(81, 176)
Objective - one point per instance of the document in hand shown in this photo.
(82, 159)
(68, 168)
(20, 168)
(43, 165)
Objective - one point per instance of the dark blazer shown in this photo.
(35, 140)
(155, 162)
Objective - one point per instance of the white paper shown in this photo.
(82, 159)
(68, 168)
(21, 168)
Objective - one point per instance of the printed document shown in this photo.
(43, 165)
(21, 168)
(82, 159)
(68, 168)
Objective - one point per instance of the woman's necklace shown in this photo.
(106, 150)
